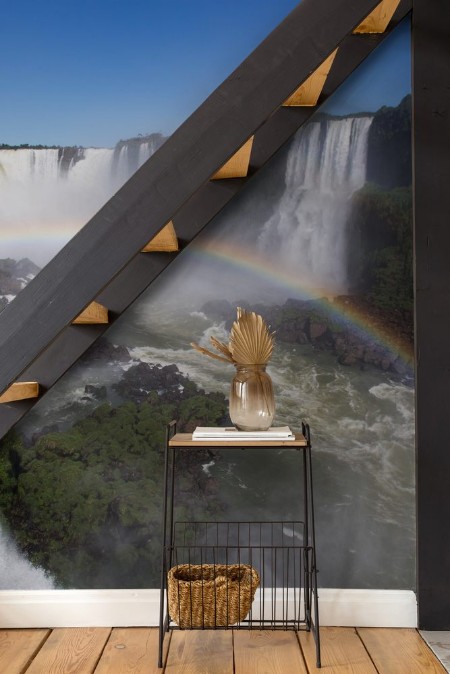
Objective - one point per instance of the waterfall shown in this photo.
(23, 165)
(17, 572)
(326, 163)
(48, 194)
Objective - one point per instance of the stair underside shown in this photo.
(197, 211)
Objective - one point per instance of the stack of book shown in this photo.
(217, 433)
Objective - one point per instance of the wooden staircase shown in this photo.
(109, 263)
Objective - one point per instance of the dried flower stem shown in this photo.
(206, 352)
(223, 348)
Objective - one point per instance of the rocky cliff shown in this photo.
(389, 149)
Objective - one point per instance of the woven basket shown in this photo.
(210, 595)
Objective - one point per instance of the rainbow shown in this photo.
(24, 228)
(260, 266)
(341, 309)
(38, 242)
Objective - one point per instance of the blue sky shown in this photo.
(90, 72)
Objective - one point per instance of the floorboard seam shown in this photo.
(103, 650)
(38, 650)
(367, 650)
(297, 634)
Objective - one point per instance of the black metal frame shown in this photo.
(245, 543)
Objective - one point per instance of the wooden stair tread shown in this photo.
(20, 390)
(308, 93)
(94, 313)
(237, 165)
(164, 242)
(378, 20)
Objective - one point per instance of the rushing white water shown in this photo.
(47, 195)
(363, 439)
(362, 421)
(26, 165)
(17, 572)
(325, 165)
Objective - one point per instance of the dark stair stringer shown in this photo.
(127, 282)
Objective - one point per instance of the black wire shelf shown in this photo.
(238, 574)
(275, 550)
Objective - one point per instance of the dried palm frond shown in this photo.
(250, 343)
(250, 339)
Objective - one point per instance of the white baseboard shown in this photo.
(126, 608)
(367, 608)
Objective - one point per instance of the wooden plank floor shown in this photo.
(345, 650)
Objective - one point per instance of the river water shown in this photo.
(362, 425)
(287, 234)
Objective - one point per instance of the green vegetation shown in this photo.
(26, 146)
(86, 504)
(381, 251)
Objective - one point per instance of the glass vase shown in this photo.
(252, 405)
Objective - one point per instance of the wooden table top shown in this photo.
(185, 440)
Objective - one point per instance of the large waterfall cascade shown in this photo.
(45, 197)
(326, 164)
(48, 194)
(26, 165)
(304, 229)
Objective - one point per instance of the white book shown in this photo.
(231, 433)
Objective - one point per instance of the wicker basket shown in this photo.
(210, 595)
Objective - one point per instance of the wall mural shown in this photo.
(319, 243)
